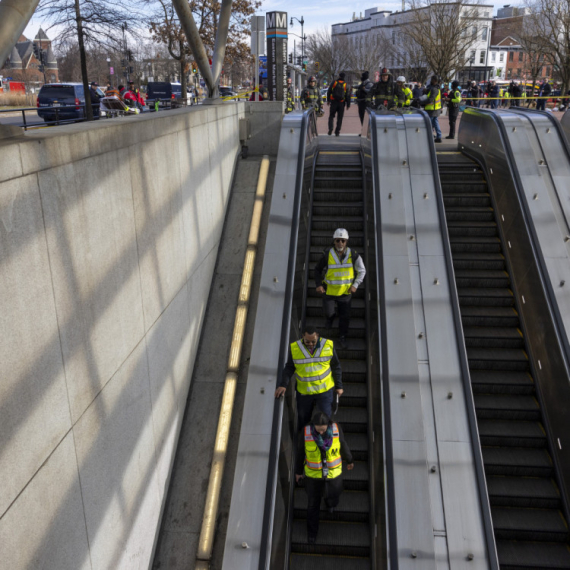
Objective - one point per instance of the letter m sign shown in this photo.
(276, 20)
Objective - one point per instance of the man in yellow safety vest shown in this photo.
(316, 367)
(432, 100)
(344, 271)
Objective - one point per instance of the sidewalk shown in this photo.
(351, 122)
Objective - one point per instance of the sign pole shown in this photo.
(256, 98)
(276, 28)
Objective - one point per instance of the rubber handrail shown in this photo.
(271, 486)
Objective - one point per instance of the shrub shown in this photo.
(16, 99)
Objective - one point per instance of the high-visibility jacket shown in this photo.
(340, 275)
(311, 97)
(290, 102)
(314, 460)
(403, 97)
(313, 371)
(435, 105)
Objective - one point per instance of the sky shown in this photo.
(316, 14)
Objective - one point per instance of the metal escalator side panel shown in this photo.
(440, 511)
(255, 499)
(537, 259)
(565, 124)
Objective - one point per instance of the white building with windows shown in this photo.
(377, 22)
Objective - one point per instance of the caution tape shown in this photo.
(467, 98)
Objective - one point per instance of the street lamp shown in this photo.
(302, 22)
(109, 64)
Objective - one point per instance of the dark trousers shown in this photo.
(452, 120)
(316, 489)
(343, 309)
(336, 107)
(541, 104)
(305, 403)
(361, 110)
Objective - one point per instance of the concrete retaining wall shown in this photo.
(108, 238)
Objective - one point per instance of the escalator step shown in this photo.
(313, 561)
(475, 214)
(474, 244)
(336, 209)
(519, 462)
(453, 175)
(485, 297)
(353, 506)
(512, 433)
(336, 195)
(503, 382)
(323, 239)
(480, 278)
(528, 492)
(515, 555)
(355, 395)
(472, 229)
(357, 479)
(510, 407)
(352, 419)
(357, 327)
(330, 224)
(470, 260)
(497, 359)
(467, 187)
(357, 443)
(458, 200)
(315, 307)
(342, 538)
(529, 524)
(493, 337)
(490, 316)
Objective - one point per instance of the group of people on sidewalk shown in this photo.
(313, 361)
(129, 94)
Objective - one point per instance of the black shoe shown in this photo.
(329, 323)
(437, 140)
(342, 342)
(337, 134)
(450, 137)
(330, 133)
(311, 539)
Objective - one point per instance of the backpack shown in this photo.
(338, 92)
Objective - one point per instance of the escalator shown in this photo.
(530, 528)
(344, 540)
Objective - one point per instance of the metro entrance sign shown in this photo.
(276, 33)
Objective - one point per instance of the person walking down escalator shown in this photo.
(453, 101)
(311, 96)
(402, 94)
(364, 95)
(432, 102)
(338, 97)
(343, 271)
(316, 367)
(321, 449)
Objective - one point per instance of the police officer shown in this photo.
(338, 97)
(320, 451)
(344, 272)
(290, 105)
(383, 91)
(311, 96)
(315, 364)
(453, 108)
(402, 94)
(364, 95)
(432, 101)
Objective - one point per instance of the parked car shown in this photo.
(67, 98)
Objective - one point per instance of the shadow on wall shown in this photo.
(86, 490)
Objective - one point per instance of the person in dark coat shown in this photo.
(338, 97)
(95, 98)
(321, 449)
(544, 91)
(364, 95)
(494, 94)
(453, 101)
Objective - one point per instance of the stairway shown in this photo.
(344, 540)
(529, 525)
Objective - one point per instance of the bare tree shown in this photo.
(333, 54)
(414, 63)
(87, 22)
(367, 53)
(548, 21)
(443, 31)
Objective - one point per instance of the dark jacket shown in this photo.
(347, 92)
(545, 90)
(383, 91)
(345, 452)
(431, 92)
(494, 91)
(364, 91)
(289, 369)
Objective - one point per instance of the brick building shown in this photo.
(32, 61)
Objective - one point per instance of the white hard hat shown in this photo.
(340, 233)
(401, 78)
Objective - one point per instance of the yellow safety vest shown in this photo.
(339, 276)
(408, 98)
(437, 104)
(313, 371)
(313, 458)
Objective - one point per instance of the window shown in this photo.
(393, 37)
(482, 56)
(509, 73)
(486, 14)
(502, 56)
(472, 56)
(484, 34)
(493, 56)
(511, 56)
(474, 32)
(520, 55)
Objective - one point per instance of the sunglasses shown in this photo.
(340, 240)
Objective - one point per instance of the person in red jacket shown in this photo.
(132, 94)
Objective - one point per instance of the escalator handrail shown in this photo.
(462, 354)
(390, 487)
(557, 321)
(308, 131)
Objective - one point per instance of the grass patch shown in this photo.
(15, 99)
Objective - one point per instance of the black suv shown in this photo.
(67, 98)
